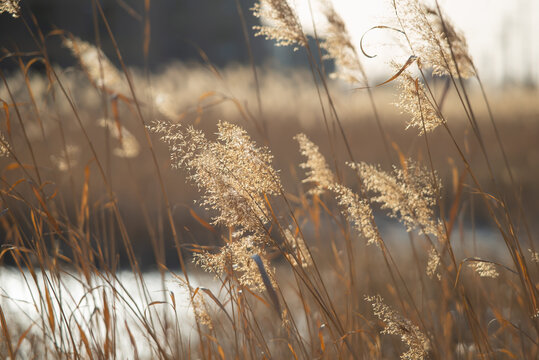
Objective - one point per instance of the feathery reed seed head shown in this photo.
(318, 171)
(408, 193)
(233, 173)
(433, 264)
(359, 213)
(236, 256)
(431, 42)
(534, 256)
(95, 63)
(164, 102)
(200, 309)
(198, 304)
(396, 324)
(129, 146)
(283, 23)
(451, 39)
(299, 249)
(338, 44)
(182, 144)
(414, 101)
(484, 269)
(4, 146)
(11, 7)
(67, 159)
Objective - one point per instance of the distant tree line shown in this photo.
(179, 28)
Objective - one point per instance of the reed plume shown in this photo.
(236, 258)
(5, 147)
(300, 255)
(433, 264)
(67, 158)
(129, 145)
(283, 24)
(414, 101)
(316, 166)
(484, 269)
(11, 7)
(201, 310)
(165, 104)
(359, 213)
(431, 42)
(534, 256)
(395, 324)
(338, 44)
(100, 70)
(235, 177)
(408, 194)
(233, 173)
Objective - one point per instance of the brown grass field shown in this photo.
(180, 214)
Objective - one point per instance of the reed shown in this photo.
(99, 165)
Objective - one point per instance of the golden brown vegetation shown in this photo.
(86, 192)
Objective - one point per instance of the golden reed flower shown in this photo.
(408, 193)
(4, 145)
(318, 171)
(198, 303)
(433, 264)
(67, 158)
(534, 256)
(414, 101)
(300, 255)
(431, 41)
(484, 269)
(232, 172)
(283, 24)
(338, 44)
(235, 177)
(237, 257)
(396, 324)
(129, 145)
(95, 63)
(10, 6)
(359, 213)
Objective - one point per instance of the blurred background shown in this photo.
(178, 29)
